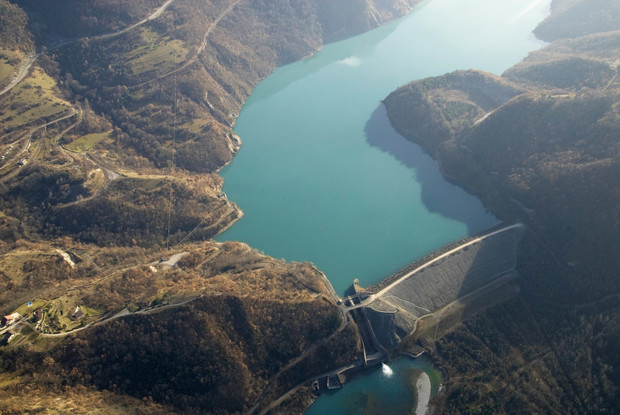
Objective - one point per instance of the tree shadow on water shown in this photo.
(438, 194)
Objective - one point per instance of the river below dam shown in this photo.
(323, 177)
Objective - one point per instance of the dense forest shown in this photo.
(540, 145)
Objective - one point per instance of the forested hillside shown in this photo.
(545, 151)
(115, 117)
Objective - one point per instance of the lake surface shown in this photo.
(323, 177)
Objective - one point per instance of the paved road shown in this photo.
(25, 66)
(153, 16)
(379, 294)
(123, 313)
(22, 72)
(200, 49)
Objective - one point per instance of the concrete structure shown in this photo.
(392, 312)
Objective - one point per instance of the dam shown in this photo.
(323, 177)
(390, 310)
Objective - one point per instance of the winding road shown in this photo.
(200, 49)
(153, 16)
(25, 66)
(123, 313)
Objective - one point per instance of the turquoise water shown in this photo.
(378, 392)
(323, 177)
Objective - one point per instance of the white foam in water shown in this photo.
(351, 61)
(387, 371)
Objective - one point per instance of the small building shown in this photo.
(10, 319)
(37, 315)
(315, 386)
(6, 338)
(333, 382)
(77, 313)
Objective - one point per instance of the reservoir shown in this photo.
(323, 177)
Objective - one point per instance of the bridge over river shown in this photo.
(390, 310)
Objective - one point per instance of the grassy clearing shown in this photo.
(9, 62)
(58, 316)
(195, 125)
(158, 53)
(87, 142)
(26, 310)
(6, 70)
(12, 264)
(90, 312)
(34, 99)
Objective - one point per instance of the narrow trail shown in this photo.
(611, 82)
(230, 209)
(110, 175)
(34, 154)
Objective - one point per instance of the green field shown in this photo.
(195, 125)
(86, 142)
(32, 100)
(27, 311)
(158, 54)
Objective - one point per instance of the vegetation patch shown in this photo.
(9, 60)
(12, 264)
(87, 142)
(195, 125)
(34, 99)
(159, 54)
(62, 315)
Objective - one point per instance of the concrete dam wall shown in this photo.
(463, 270)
